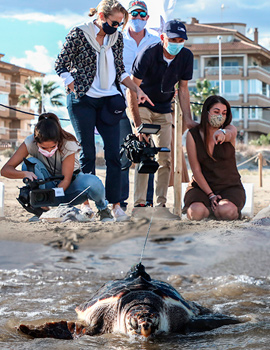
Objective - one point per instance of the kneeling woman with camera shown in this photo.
(55, 152)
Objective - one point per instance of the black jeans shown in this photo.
(84, 115)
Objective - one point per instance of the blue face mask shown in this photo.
(137, 24)
(174, 48)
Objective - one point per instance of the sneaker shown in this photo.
(105, 215)
(87, 210)
(163, 213)
(141, 211)
(119, 214)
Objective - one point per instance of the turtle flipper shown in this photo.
(58, 330)
(208, 322)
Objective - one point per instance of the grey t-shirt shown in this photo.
(54, 163)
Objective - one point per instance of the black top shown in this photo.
(220, 172)
(159, 79)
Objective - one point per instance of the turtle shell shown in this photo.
(136, 286)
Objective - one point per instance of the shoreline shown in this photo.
(16, 227)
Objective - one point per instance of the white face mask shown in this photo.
(47, 153)
(216, 120)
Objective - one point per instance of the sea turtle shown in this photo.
(135, 305)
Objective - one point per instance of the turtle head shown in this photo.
(142, 320)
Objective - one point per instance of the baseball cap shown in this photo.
(175, 29)
(137, 5)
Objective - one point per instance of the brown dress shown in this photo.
(220, 173)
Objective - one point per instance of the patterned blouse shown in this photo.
(79, 58)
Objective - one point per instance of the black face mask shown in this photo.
(108, 29)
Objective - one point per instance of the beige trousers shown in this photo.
(162, 176)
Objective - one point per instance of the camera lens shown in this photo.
(41, 197)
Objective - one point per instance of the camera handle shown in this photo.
(27, 181)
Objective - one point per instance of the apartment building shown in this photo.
(245, 71)
(14, 126)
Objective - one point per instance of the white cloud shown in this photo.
(66, 19)
(38, 60)
(265, 42)
(60, 44)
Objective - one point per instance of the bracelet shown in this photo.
(209, 193)
(223, 130)
(211, 197)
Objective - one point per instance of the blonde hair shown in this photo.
(108, 7)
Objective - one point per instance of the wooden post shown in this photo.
(260, 166)
(178, 159)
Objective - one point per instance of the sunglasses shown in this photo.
(136, 13)
(116, 24)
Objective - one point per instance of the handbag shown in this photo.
(114, 108)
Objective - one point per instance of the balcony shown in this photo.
(4, 86)
(4, 112)
(259, 73)
(4, 133)
(18, 135)
(17, 89)
(18, 115)
(236, 72)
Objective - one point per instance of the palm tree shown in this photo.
(204, 90)
(34, 92)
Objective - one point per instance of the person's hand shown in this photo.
(214, 199)
(219, 137)
(142, 97)
(191, 123)
(31, 176)
(142, 136)
(71, 86)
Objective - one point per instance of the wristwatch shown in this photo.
(223, 130)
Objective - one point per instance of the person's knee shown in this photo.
(197, 211)
(227, 211)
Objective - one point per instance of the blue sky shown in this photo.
(35, 30)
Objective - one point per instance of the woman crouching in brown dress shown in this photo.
(216, 187)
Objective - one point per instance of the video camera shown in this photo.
(141, 151)
(32, 198)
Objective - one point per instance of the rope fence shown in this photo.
(34, 114)
(261, 162)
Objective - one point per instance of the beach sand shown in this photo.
(16, 226)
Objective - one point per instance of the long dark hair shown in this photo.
(204, 124)
(49, 128)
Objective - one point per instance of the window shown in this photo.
(264, 89)
(195, 63)
(254, 86)
(4, 98)
(236, 114)
(232, 86)
(197, 41)
(255, 113)
(230, 63)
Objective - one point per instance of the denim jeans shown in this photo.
(84, 115)
(95, 193)
(125, 129)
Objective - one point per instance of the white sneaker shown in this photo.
(119, 214)
(87, 210)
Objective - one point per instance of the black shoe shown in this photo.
(105, 215)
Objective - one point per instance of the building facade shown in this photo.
(245, 67)
(14, 126)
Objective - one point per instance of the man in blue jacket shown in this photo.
(156, 70)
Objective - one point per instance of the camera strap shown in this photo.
(52, 169)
